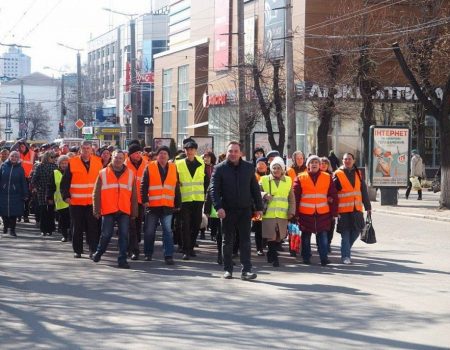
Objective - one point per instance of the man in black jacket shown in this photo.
(235, 194)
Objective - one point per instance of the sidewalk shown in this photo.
(427, 208)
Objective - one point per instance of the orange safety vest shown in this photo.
(139, 174)
(83, 181)
(116, 192)
(159, 194)
(350, 198)
(27, 162)
(314, 197)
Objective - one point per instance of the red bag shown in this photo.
(295, 243)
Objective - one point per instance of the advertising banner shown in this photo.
(261, 140)
(274, 28)
(389, 156)
(205, 144)
(222, 34)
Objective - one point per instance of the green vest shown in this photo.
(279, 205)
(191, 188)
(59, 203)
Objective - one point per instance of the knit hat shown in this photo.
(133, 148)
(261, 159)
(311, 158)
(278, 161)
(163, 148)
(273, 154)
(414, 151)
(190, 143)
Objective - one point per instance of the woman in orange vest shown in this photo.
(298, 165)
(115, 200)
(316, 200)
(352, 193)
(161, 196)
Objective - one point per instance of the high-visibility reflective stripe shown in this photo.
(280, 199)
(270, 209)
(312, 205)
(191, 193)
(349, 194)
(27, 162)
(163, 196)
(80, 195)
(350, 204)
(314, 195)
(81, 185)
(157, 187)
(191, 184)
(107, 187)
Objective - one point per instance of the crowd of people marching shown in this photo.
(89, 192)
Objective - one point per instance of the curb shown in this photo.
(419, 216)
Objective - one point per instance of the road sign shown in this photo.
(79, 123)
(87, 130)
(128, 108)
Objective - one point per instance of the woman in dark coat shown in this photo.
(41, 180)
(13, 192)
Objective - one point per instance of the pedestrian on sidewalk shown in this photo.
(236, 194)
(13, 192)
(316, 200)
(352, 194)
(417, 170)
(115, 201)
(161, 196)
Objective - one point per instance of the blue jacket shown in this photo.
(13, 189)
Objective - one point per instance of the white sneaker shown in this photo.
(347, 261)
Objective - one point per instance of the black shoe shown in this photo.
(26, 219)
(64, 239)
(276, 263)
(124, 265)
(135, 257)
(43, 234)
(293, 253)
(185, 257)
(260, 253)
(196, 245)
(325, 262)
(192, 253)
(77, 255)
(19, 219)
(96, 257)
(248, 276)
(49, 233)
(419, 199)
(169, 260)
(307, 262)
(147, 258)
(270, 257)
(12, 233)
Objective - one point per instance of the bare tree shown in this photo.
(38, 121)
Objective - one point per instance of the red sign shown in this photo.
(222, 35)
(214, 100)
(145, 78)
(79, 124)
(128, 77)
(128, 108)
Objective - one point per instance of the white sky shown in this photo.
(42, 23)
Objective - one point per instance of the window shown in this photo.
(167, 103)
(183, 100)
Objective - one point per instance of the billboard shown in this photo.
(222, 35)
(274, 28)
(389, 156)
(261, 140)
(205, 144)
(249, 38)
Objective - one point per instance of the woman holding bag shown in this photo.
(277, 190)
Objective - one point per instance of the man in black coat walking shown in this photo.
(236, 194)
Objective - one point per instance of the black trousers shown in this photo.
(83, 220)
(135, 231)
(237, 221)
(191, 218)
(9, 222)
(216, 231)
(47, 222)
(257, 228)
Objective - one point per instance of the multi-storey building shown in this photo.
(14, 63)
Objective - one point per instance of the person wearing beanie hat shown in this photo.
(279, 196)
(417, 169)
(316, 199)
(261, 170)
(271, 155)
(161, 196)
(193, 185)
(258, 153)
(137, 164)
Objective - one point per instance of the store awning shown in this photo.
(195, 126)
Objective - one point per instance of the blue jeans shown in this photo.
(151, 221)
(322, 240)
(348, 237)
(108, 230)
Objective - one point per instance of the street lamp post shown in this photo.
(63, 106)
(79, 111)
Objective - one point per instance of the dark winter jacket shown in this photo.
(42, 177)
(317, 222)
(13, 189)
(235, 187)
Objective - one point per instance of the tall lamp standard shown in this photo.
(133, 112)
(63, 105)
(79, 114)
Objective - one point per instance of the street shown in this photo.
(395, 295)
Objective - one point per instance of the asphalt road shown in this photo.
(394, 296)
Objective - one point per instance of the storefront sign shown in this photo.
(222, 35)
(214, 100)
(389, 156)
(110, 130)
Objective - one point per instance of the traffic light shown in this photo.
(61, 127)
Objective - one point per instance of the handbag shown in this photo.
(415, 183)
(368, 232)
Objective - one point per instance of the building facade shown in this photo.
(15, 64)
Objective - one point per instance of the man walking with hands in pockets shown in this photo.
(235, 194)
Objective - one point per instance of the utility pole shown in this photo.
(79, 111)
(243, 138)
(63, 108)
(21, 111)
(134, 111)
(291, 125)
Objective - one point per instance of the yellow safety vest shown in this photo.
(57, 197)
(279, 205)
(191, 188)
